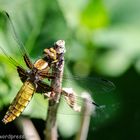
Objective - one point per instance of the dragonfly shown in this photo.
(33, 77)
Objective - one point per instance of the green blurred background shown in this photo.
(102, 38)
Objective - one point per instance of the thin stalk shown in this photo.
(56, 83)
(85, 122)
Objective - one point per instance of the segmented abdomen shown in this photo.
(20, 102)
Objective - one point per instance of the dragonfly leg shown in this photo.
(46, 74)
(55, 61)
(47, 95)
(22, 74)
(71, 99)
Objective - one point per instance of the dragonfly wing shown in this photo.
(22, 74)
(98, 85)
(19, 42)
(43, 87)
(93, 84)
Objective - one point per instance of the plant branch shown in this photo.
(56, 83)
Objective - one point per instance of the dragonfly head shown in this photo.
(52, 53)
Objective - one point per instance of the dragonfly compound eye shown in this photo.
(50, 54)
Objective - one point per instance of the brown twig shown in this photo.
(56, 83)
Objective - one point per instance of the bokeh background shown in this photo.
(102, 39)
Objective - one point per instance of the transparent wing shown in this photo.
(9, 28)
(86, 105)
(13, 32)
(99, 114)
(41, 105)
(93, 84)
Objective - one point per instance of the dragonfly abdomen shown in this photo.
(20, 102)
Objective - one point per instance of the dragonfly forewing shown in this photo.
(92, 84)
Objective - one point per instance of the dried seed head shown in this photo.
(60, 46)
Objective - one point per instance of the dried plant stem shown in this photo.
(51, 125)
(87, 110)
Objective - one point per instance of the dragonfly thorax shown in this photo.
(33, 75)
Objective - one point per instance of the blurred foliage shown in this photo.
(102, 38)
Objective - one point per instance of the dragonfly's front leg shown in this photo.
(45, 74)
(71, 99)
